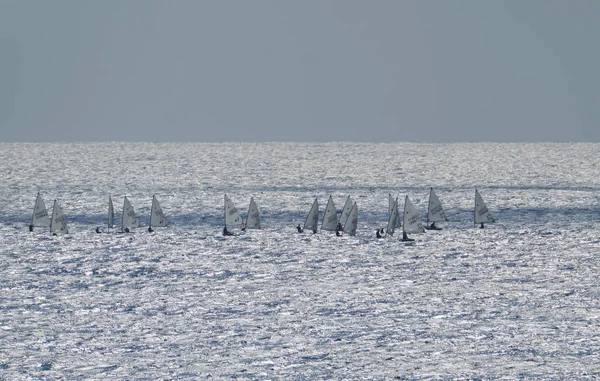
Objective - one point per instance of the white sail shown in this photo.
(253, 219)
(130, 219)
(435, 211)
(346, 211)
(330, 220)
(352, 221)
(412, 222)
(391, 226)
(111, 212)
(157, 218)
(482, 213)
(391, 205)
(40, 214)
(232, 215)
(312, 219)
(58, 225)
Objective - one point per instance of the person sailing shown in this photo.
(377, 234)
(226, 232)
(300, 230)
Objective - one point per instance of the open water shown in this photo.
(519, 299)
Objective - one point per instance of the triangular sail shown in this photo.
(346, 211)
(130, 219)
(330, 220)
(435, 211)
(391, 205)
(40, 214)
(352, 221)
(412, 222)
(391, 226)
(157, 218)
(232, 215)
(111, 212)
(58, 225)
(482, 213)
(253, 219)
(312, 219)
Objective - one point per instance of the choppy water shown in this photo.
(516, 300)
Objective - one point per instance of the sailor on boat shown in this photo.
(126, 230)
(378, 234)
(31, 227)
(226, 232)
(300, 230)
(150, 230)
(98, 229)
(314, 230)
(481, 226)
(339, 229)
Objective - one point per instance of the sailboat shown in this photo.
(346, 211)
(435, 211)
(312, 219)
(352, 221)
(412, 222)
(392, 219)
(58, 225)
(391, 205)
(157, 218)
(111, 213)
(482, 213)
(330, 220)
(253, 218)
(39, 216)
(232, 216)
(130, 219)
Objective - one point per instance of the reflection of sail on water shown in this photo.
(40, 214)
(253, 219)
(232, 215)
(58, 225)
(412, 222)
(330, 220)
(157, 218)
(482, 213)
(352, 221)
(130, 219)
(312, 219)
(111, 212)
(435, 211)
(346, 211)
(391, 226)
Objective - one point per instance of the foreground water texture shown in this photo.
(518, 299)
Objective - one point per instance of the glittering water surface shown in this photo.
(518, 299)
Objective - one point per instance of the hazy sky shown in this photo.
(306, 70)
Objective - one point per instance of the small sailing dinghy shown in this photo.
(392, 219)
(435, 212)
(253, 218)
(312, 219)
(58, 225)
(39, 216)
(352, 221)
(391, 205)
(346, 211)
(111, 215)
(157, 218)
(482, 213)
(330, 220)
(232, 216)
(412, 222)
(130, 219)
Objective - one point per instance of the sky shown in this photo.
(310, 70)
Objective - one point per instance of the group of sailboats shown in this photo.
(56, 223)
(130, 220)
(347, 222)
(234, 220)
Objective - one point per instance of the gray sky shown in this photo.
(310, 70)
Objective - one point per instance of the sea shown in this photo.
(518, 299)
